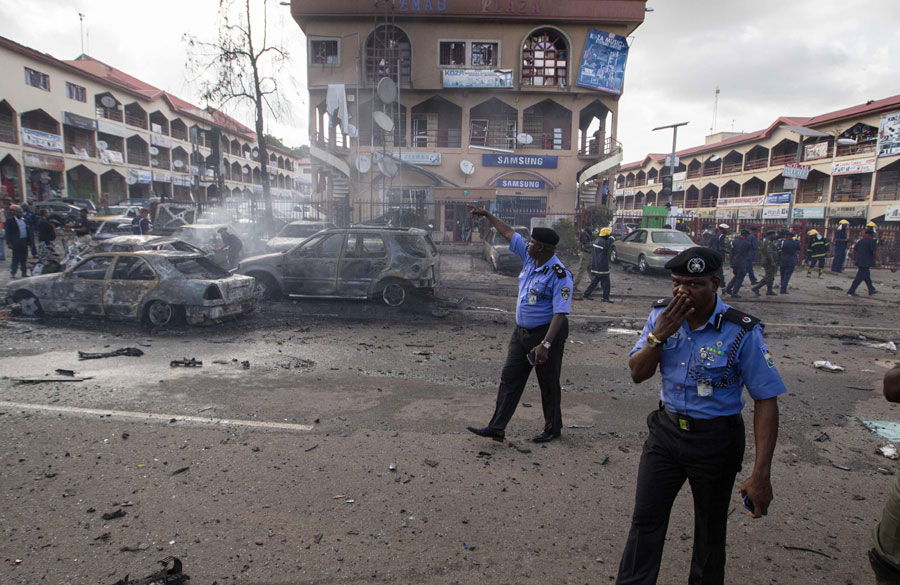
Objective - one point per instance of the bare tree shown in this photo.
(241, 68)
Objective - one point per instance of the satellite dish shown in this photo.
(524, 138)
(846, 141)
(177, 164)
(352, 131)
(245, 170)
(377, 156)
(384, 121)
(108, 101)
(102, 145)
(363, 164)
(467, 167)
(388, 167)
(154, 151)
(130, 180)
(255, 153)
(154, 162)
(387, 90)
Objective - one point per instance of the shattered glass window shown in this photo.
(93, 268)
(199, 268)
(412, 245)
(365, 246)
(328, 246)
(131, 268)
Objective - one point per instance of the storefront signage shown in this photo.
(181, 180)
(795, 171)
(138, 176)
(603, 62)
(749, 213)
(79, 121)
(42, 140)
(520, 184)
(778, 198)
(519, 160)
(809, 213)
(847, 211)
(429, 159)
(163, 141)
(162, 177)
(815, 151)
(425, 6)
(478, 78)
(112, 157)
(775, 213)
(726, 213)
(739, 201)
(707, 213)
(853, 167)
(43, 161)
(682, 176)
(889, 135)
(892, 213)
(111, 128)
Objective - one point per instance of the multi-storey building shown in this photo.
(488, 102)
(84, 129)
(853, 160)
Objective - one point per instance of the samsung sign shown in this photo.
(519, 160)
(520, 184)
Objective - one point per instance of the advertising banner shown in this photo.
(519, 160)
(726, 213)
(181, 180)
(603, 62)
(889, 135)
(137, 176)
(739, 201)
(845, 211)
(853, 167)
(42, 140)
(164, 141)
(112, 157)
(520, 184)
(775, 212)
(162, 176)
(40, 161)
(749, 213)
(778, 198)
(111, 128)
(478, 78)
(795, 171)
(809, 213)
(430, 159)
(79, 121)
(892, 213)
(815, 151)
(682, 176)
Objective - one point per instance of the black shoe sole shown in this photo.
(486, 434)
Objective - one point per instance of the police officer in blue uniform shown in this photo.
(542, 326)
(706, 352)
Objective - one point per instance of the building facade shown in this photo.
(485, 102)
(851, 163)
(83, 129)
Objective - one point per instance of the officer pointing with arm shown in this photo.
(542, 326)
(706, 353)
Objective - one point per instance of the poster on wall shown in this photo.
(814, 151)
(889, 134)
(478, 78)
(853, 167)
(892, 213)
(603, 62)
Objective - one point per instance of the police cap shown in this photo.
(545, 236)
(696, 261)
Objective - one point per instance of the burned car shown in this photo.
(294, 233)
(130, 243)
(496, 250)
(354, 263)
(156, 288)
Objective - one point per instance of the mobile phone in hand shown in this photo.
(748, 503)
(530, 357)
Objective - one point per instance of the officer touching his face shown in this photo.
(542, 326)
(706, 352)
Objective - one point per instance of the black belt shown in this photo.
(532, 330)
(686, 423)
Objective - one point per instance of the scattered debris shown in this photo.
(221, 362)
(62, 372)
(318, 537)
(839, 466)
(889, 451)
(827, 366)
(804, 549)
(524, 450)
(295, 363)
(418, 345)
(113, 515)
(431, 463)
(393, 466)
(125, 351)
(166, 576)
(581, 426)
(889, 345)
(48, 380)
(245, 364)
(186, 363)
(526, 405)
(863, 388)
(885, 429)
(311, 448)
(622, 331)
(180, 470)
(822, 438)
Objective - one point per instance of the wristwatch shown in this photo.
(546, 344)
(653, 341)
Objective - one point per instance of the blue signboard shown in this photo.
(520, 184)
(519, 160)
(778, 198)
(603, 62)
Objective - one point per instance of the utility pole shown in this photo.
(81, 25)
(672, 164)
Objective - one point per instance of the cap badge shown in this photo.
(696, 265)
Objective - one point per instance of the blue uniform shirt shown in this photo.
(705, 351)
(542, 291)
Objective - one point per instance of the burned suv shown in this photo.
(355, 263)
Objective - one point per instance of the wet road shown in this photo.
(347, 389)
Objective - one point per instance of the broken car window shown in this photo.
(327, 246)
(130, 268)
(199, 268)
(365, 246)
(412, 245)
(93, 268)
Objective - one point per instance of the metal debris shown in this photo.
(827, 366)
(181, 470)
(113, 515)
(804, 549)
(186, 363)
(822, 438)
(125, 351)
(889, 450)
(166, 576)
(62, 372)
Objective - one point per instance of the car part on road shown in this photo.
(827, 366)
(186, 363)
(125, 351)
(166, 576)
(889, 450)
(62, 372)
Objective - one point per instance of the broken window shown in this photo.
(365, 246)
(484, 54)
(545, 58)
(326, 246)
(452, 53)
(199, 268)
(131, 268)
(324, 52)
(412, 245)
(93, 268)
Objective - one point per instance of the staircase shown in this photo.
(588, 194)
(340, 186)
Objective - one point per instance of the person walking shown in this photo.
(140, 225)
(719, 243)
(706, 352)
(46, 235)
(3, 215)
(753, 238)
(865, 252)
(539, 338)
(31, 220)
(769, 255)
(740, 252)
(17, 238)
(787, 259)
(585, 243)
(816, 249)
(840, 246)
(600, 265)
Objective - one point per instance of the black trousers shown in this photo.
(862, 276)
(817, 260)
(740, 271)
(19, 257)
(786, 272)
(515, 375)
(603, 281)
(709, 457)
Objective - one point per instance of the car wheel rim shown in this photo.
(262, 289)
(642, 264)
(394, 294)
(30, 306)
(160, 313)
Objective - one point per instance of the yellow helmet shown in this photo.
(843, 222)
(605, 231)
(812, 233)
(870, 224)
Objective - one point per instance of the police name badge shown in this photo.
(532, 298)
(704, 390)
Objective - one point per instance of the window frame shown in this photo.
(533, 67)
(78, 91)
(465, 56)
(311, 53)
(467, 50)
(43, 76)
(496, 54)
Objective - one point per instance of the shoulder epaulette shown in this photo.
(559, 270)
(662, 302)
(746, 321)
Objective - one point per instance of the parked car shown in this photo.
(156, 288)
(294, 233)
(116, 211)
(111, 228)
(356, 263)
(650, 248)
(138, 202)
(60, 214)
(80, 203)
(127, 243)
(496, 250)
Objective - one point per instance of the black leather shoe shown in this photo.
(755, 291)
(486, 432)
(771, 293)
(607, 300)
(545, 437)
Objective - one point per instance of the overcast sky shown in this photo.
(768, 58)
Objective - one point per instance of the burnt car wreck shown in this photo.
(157, 288)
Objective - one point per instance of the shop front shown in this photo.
(81, 183)
(140, 184)
(455, 222)
(10, 179)
(43, 176)
(112, 187)
(162, 184)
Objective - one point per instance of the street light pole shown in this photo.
(802, 132)
(672, 165)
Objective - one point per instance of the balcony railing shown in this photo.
(108, 113)
(753, 164)
(451, 138)
(138, 158)
(854, 194)
(851, 149)
(733, 167)
(711, 171)
(548, 141)
(708, 201)
(179, 134)
(783, 159)
(692, 203)
(640, 182)
(136, 121)
(693, 173)
(493, 139)
(8, 134)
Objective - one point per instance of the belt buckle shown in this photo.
(684, 423)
